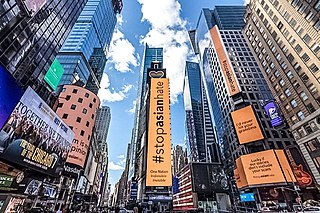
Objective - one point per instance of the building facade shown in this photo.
(30, 40)
(233, 81)
(97, 63)
(285, 39)
(200, 130)
(93, 29)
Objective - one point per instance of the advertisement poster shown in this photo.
(266, 167)
(10, 94)
(35, 137)
(246, 125)
(226, 67)
(273, 113)
(159, 144)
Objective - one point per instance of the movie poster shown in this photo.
(35, 137)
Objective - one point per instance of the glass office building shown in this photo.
(93, 29)
(30, 40)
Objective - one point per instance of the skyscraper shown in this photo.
(234, 81)
(93, 29)
(200, 130)
(31, 39)
(288, 51)
(179, 159)
(97, 63)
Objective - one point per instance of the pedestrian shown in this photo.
(135, 209)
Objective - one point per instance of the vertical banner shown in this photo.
(226, 67)
(159, 146)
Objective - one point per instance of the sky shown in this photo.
(160, 23)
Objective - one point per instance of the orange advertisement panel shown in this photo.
(266, 167)
(239, 174)
(246, 125)
(227, 69)
(159, 146)
(285, 166)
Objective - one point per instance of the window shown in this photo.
(92, 116)
(80, 100)
(310, 16)
(314, 68)
(282, 82)
(84, 111)
(86, 95)
(60, 105)
(310, 108)
(294, 119)
(317, 25)
(287, 92)
(289, 74)
(304, 77)
(301, 115)
(295, 84)
(94, 100)
(307, 38)
(315, 48)
(73, 107)
(75, 91)
(303, 96)
(90, 105)
(82, 133)
(65, 116)
(287, 107)
(88, 123)
(313, 89)
(78, 119)
(305, 57)
(293, 103)
(302, 8)
(317, 6)
(68, 97)
(298, 48)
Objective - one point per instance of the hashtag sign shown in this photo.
(157, 159)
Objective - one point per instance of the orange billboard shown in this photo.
(246, 125)
(159, 146)
(225, 65)
(260, 168)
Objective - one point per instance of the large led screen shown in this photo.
(273, 113)
(10, 94)
(35, 136)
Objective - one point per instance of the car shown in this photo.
(313, 209)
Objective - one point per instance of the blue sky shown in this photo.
(160, 23)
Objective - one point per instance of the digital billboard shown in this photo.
(246, 125)
(54, 74)
(208, 177)
(10, 94)
(225, 65)
(36, 137)
(247, 197)
(266, 167)
(273, 113)
(159, 145)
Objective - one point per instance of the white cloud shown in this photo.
(245, 2)
(107, 94)
(168, 30)
(121, 156)
(122, 53)
(113, 166)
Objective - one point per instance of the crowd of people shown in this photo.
(19, 127)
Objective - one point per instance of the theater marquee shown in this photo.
(159, 146)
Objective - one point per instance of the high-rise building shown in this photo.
(150, 54)
(30, 39)
(179, 159)
(97, 63)
(93, 29)
(144, 161)
(285, 39)
(200, 130)
(101, 130)
(233, 81)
